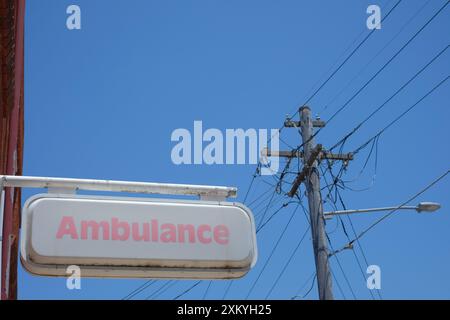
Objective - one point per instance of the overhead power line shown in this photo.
(337, 69)
(401, 115)
(138, 290)
(187, 290)
(387, 63)
(356, 128)
(348, 57)
(375, 56)
(272, 252)
(288, 262)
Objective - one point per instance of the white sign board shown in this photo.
(132, 237)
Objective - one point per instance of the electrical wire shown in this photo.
(207, 289)
(346, 234)
(386, 64)
(401, 115)
(336, 71)
(374, 57)
(342, 269)
(138, 290)
(378, 221)
(391, 97)
(288, 262)
(187, 290)
(349, 56)
(313, 277)
(272, 252)
(167, 283)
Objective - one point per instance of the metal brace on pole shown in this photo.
(65, 184)
(306, 170)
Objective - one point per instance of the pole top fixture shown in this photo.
(304, 107)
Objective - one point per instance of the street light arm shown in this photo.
(421, 207)
(341, 212)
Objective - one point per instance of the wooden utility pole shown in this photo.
(311, 155)
(312, 182)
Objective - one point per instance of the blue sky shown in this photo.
(102, 102)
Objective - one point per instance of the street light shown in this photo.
(428, 206)
(421, 207)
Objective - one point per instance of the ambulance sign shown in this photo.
(133, 237)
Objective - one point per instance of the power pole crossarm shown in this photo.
(281, 154)
(299, 154)
(295, 124)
